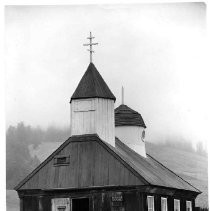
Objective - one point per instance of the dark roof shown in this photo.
(153, 171)
(92, 85)
(89, 155)
(125, 116)
(148, 170)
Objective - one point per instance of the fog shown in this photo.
(156, 51)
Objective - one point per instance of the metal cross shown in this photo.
(90, 44)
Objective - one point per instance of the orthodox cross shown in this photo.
(90, 44)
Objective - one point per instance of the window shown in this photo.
(150, 203)
(176, 205)
(188, 206)
(61, 160)
(164, 206)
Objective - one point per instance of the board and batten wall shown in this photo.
(94, 115)
(101, 200)
(132, 137)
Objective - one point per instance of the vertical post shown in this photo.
(40, 203)
(21, 204)
(122, 95)
(90, 47)
(193, 205)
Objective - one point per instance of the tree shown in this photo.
(18, 158)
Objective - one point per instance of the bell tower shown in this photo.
(92, 105)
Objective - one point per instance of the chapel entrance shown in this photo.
(80, 204)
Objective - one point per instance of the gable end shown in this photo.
(92, 163)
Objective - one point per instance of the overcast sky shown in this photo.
(156, 51)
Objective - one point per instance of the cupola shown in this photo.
(130, 128)
(92, 107)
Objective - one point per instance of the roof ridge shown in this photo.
(172, 172)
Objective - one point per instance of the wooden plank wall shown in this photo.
(83, 116)
(94, 115)
(105, 126)
(30, 203)
(133, 200)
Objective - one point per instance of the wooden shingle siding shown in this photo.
(90, 165)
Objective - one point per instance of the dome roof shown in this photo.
(125, 116)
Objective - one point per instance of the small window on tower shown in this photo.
(143, 136)
(61, 160)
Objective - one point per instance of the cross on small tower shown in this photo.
(90, 44)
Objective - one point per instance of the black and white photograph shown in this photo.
(106, 107)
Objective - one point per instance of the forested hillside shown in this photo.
(20, 142)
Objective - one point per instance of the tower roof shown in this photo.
(92, 85)
(125, 116)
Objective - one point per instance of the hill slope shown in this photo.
(189, 165)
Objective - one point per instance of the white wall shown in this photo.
(131, 136)
(94, 115)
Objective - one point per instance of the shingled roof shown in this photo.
(92, 85)
(125, 116)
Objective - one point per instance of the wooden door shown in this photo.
(61, 204)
